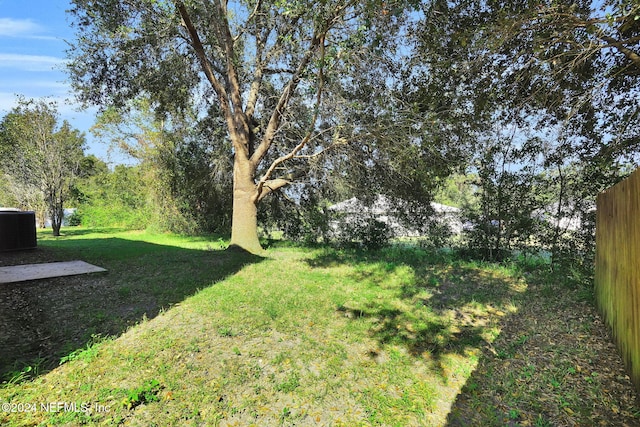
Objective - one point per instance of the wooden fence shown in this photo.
(617, 275)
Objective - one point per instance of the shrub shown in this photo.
(75, 219)
(368, 232)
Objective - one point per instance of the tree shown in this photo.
(508, 193)
(41, 154)
(186, 163)
(573, 65)
(256, 60)
(116, 198)
(564, 74)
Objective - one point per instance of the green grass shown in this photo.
(299, 337)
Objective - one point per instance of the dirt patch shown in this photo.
(27, 257)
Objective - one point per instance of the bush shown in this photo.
(75, 219)
(438, 235)
(113, 216)
(369, 233)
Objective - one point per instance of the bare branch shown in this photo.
(272, 185)
(293, 153)
(317, 42)
(630, 54)
(230, 103)
(258, 72)
(279, 71)
(283, 101)
(251, 16)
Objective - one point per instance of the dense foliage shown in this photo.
(554, 92)
(274, 72)
(40, 159)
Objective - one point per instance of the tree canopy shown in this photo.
(265, 65)
(41, 157)
(534, 102)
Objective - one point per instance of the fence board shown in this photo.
(617, 274)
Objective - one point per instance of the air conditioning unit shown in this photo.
(17, 229)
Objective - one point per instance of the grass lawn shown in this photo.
(181, 332)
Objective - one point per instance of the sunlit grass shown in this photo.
(318, 337)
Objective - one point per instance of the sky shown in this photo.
(34, 36)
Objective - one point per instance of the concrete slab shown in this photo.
(22, 273)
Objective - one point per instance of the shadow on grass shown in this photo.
(442, 307)
(42, 321)
(83, 231)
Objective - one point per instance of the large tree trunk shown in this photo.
(244, 222)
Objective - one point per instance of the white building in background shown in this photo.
(570, 217)
(65, 219)
(382, 209)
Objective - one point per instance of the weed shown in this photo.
(510, 351)
(146, 393)
(124, 292)
(26, 373)
(521, 340)
(542, 422)
(528, 371)
(281, 358)
(433, 281)
(470, 386)
(85, 354)
(272, 311)
(193, 347)
(226, 331)
(99, 317)
(291, 383)
(286, 413)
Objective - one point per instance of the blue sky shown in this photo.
(33, 41)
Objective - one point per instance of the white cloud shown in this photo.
(68, 110)
(9, 100)
(43, 85)
(30, 62)
(18, 27)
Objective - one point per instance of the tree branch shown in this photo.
(270, 186)
(251, 16)
(240, 132)
(630, 54)
(620, 45)
(266, 177)
(231, 105)
(196, 43)
(207, 67)
(283, 101)
(257, 74)
(317, 41)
